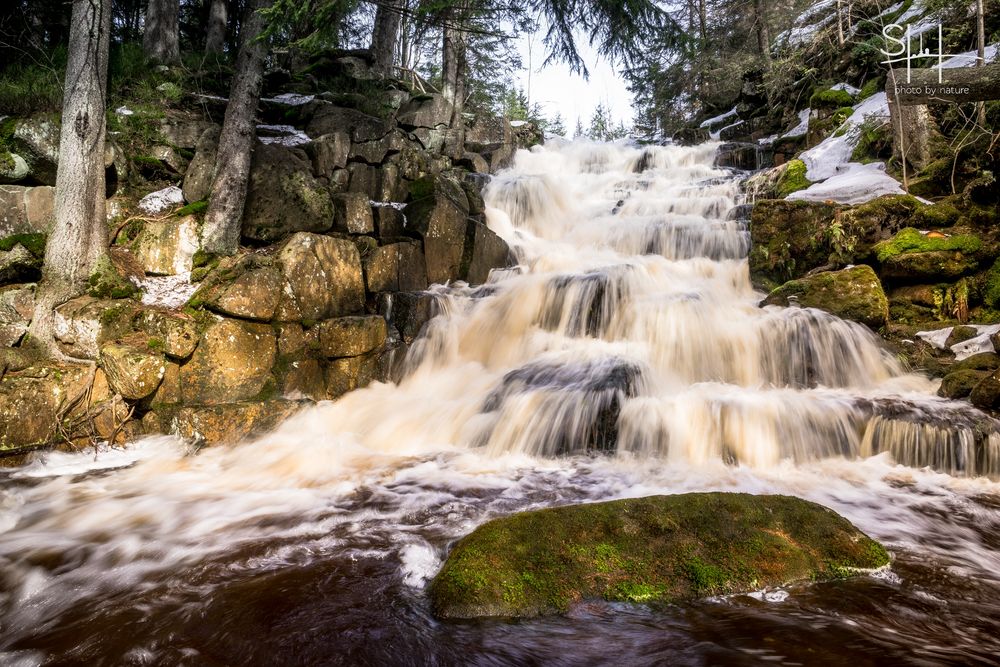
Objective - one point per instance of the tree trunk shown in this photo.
(454, 65)
(161, 38)
(763, 29)
(79, 238)
(981, 35)
(840, 22)
(215, 39)
(221, 230)
(386, 33)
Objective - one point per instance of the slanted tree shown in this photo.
(161, 38)
(215, 34)
(221, 230)
(78, 243)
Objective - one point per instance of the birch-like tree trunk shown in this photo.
(385, 35)
(981, 35)
(161, 37)
(454, 68)
(79, 238)
(215, 35)
(840, 22)
(221, 230)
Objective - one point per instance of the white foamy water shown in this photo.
(630, 329)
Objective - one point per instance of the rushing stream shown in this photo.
(625, 356)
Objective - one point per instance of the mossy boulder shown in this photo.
(853, 294)
(788, 239)
(660, 549)
(439, 214)
(830, 99)
(793, 179)
(960, 383)
(32, 401)
(914, 255)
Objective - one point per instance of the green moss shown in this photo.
(202, 258)
(422, 188)
(660, 549)
(793, 180)
(991, 286)
(830, 99)
(942, 214)
(105, 282)
(871, 87)
(156, 344)
(910, 240)
(115, 313)
(33, 243)
(194, 208)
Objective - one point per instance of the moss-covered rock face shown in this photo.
(793, 179)
(788, 239)
(830, 99)
(656, 549)
(854, 294)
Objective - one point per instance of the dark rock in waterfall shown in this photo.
(742, 156)
(584, 304)
(690, 136)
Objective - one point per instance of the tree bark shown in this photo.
(763, 29)
(385, 35)
(840, 22)
(454, 69)
(79, 238)
(221, 230)
(161, 38)
(215, 37)
(981, 36)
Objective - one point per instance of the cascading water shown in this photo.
(630, 330)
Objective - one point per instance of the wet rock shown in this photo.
(17, 305)
(232, 363)
(474, 162)
(302, 378)
(31, 400)
(783, 239)
(324, 278)
(657, 549)
(853, 294)
(176, 334)
(389, 222)
(351, 336)
(396, 267)
(960, 334)
(352, 213)
(913, 256)
(984, 361)
(167, 247)
(25, 210)
(350, 373)
(408, 312)
(986, 394)
(231, 423)
(82, 325)
(201, 171)
(134, 370)
(960, 383)
(485, 251)
(439, 215)
(283, 196)
(690, 136)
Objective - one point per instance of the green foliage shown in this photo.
(910, 240)
(793, 179)
(830, 99)
(28, 88)
(602, 127)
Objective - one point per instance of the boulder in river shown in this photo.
(853, 294)
(658, 549)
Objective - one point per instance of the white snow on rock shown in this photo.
(124, 111)
(829, 166)
(166, 291)
(518, 123)
(161, 200)
(282, 135)
(848, 88)
(969, 58)
(803, 126)
(809, 24)
(290, 99)
(718, 119)
(860, 183)
(977, 345)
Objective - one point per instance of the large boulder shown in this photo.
(484, 251)
(351, 336)
(396, 267)
(440, 215)
(133, 368)
(329, 153)
(324, 278)
(427, 111)
(82, 325)
(232, 363)
(19, 265)
(350, 373)
(230, 423)
(167, 247)
(787, 239)
(185, 133)
(658, 549)
(36, 139)
(853, 294)
(175, 333)
(25, 210)
(913, 255)
(283, 196)
(352, 213)
(359, 126)
(31, 401)
(17, 306)
(253, 294)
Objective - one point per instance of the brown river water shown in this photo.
(625, 356)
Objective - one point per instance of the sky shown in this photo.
(558, 90)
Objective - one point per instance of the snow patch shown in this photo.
(518, 123)
(290, 99)
(969, 58)
(860, 183)
(718, 119)
(124, 111)
(282, 135)
(803, 126)
(161, 200)
(938, 338)
(848, 88)
(166, 291)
